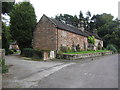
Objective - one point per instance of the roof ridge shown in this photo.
(69, 28)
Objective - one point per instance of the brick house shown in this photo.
(51, 34)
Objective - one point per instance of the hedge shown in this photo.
(29, 52)
(3, 67)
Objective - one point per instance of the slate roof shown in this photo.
(93, 34)
(72, 29)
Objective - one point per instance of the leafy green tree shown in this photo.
(75, 21)
(108, 29)
(22, 24)
(7, 7)
(5, 44)
(68, 19)
(81, 17)
(59, 17)
(112, 47)
(87, 20)
(6, 36)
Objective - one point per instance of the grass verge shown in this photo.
(84, 52)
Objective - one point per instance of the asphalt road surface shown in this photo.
(101, 73)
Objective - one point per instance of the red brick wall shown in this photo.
(67, 39)
(45, 35)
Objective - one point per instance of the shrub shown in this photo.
(81, 50)
(10, 51)
(14, 50)
(60, 52)
(68, 49)
(29, 52)
(72, 49)
(91, 39)
(63, 49)
(112, 48)
(37, 54)
(3, 66)
(104, 48)
(119, 50)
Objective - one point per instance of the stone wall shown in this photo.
(68, 39)
(48, 37)
(97, 41)
(45, 35)
(79, 56)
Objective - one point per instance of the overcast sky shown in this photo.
(72, 7)
(54, 7)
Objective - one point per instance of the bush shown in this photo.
(3, 66)
(91, 39)
(14, 50)
(63, 49)
(112, 48)
(37, 54)
(68, 49)
(72, 49)
(104, 48)
(81, 50)
(29, 52)
(9, 51)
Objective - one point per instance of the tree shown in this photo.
(22, 24)
(7, 7)
(75, 21)
(6, 36)
(107, 28)
(81, 17)
(68, 19)
(87, 20)
(5, 44)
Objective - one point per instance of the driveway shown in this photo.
(26, 73)
(98, 72)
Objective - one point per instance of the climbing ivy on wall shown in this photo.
(91, 39)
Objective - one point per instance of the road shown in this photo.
(27, 73)
(101, 73)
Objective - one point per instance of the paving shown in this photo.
(26, 73)
(101, 73)
(89, 72)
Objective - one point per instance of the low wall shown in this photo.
(79, 56)
(2, 53)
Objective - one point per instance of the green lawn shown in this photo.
(84, 52)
